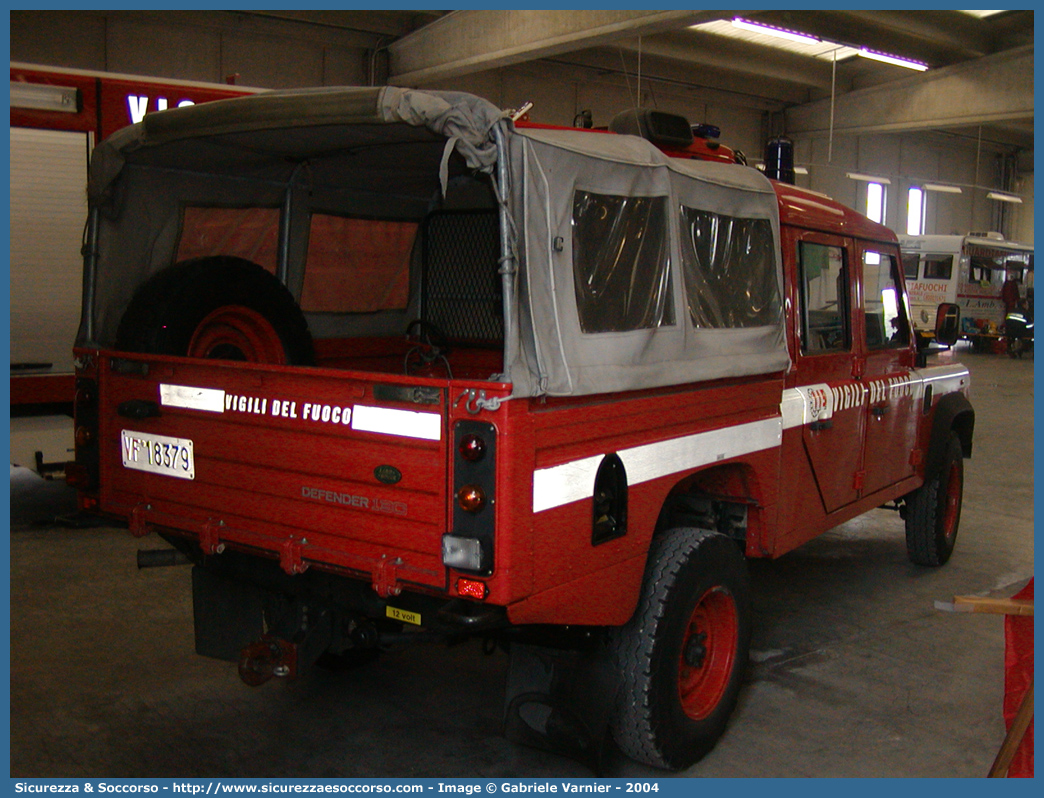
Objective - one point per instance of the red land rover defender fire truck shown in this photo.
(376, 359)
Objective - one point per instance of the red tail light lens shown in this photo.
(472, 588)
(84, 436)
(472, 448)
(471, 498)
(76, 475)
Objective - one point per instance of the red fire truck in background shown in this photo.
(57, 116)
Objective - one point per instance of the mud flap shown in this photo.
(561, 701)
(227, 615)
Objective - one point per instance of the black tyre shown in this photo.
(933, 511)
(682, 655)
(216, 307)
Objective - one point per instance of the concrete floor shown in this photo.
(855, 672)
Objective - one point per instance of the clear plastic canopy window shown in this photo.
(730, 270)
(621, 262)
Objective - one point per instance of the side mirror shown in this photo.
(948, 324)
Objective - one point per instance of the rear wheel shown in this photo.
(682, 655)
(217, 307)
(933, 511)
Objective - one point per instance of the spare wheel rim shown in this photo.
(236, 332)
(708, 653)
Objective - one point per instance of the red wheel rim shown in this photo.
(952, 508)
(235, 332)
(708, 653)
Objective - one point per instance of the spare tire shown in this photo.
(217, 307)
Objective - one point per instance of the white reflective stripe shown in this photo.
(946, 379)
(210, 399)
(562, 484)
(570, 482)
(807, 404)
(405, 423)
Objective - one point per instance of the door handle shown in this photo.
(825, 423)
(879, 411)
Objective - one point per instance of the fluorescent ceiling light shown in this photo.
(772, 30)
(868, 178)
(982, 14)
(41, 97)
(993, 195)
(892, 59)
(755, 34)
(942, 188)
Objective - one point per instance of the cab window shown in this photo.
(938, 267)
(824, 298)
(885, 314)
(911, 264)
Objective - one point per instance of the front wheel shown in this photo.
(933, 511)
(682, 655)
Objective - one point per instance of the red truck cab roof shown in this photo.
(810, 209)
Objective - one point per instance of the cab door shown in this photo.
(827, 371)
(884, 337)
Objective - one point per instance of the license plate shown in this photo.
(158, 454)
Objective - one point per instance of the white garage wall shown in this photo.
(912, 160)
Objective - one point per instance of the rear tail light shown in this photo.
(77, 475)
(83, 474)
(469, 546)
(472, 588)
(84, 436)
(472, 447)
(463, 553)
(471, 498)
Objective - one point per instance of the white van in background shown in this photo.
(968, 270)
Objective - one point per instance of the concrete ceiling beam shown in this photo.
(464, 42)
(697, 49)
(996, 88)
(765, 94)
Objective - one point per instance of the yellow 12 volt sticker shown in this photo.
(403, 615)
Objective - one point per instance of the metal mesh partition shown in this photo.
(462, 291)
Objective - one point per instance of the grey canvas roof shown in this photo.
(566, 361)
(389, 148)
(236, 134)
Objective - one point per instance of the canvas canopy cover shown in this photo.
(621, 268)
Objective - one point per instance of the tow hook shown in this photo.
(265, 658)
